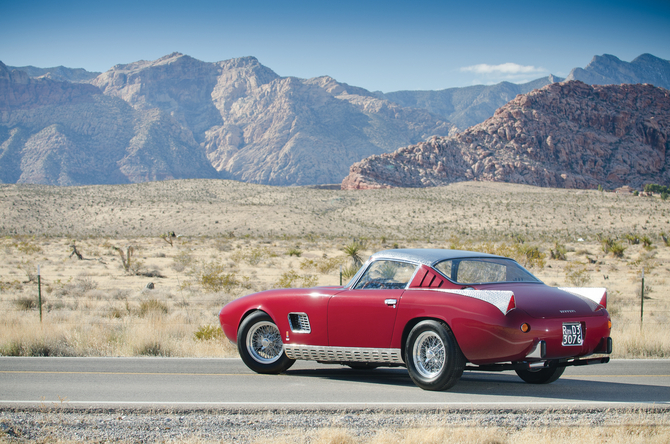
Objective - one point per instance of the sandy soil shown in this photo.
(235, 238)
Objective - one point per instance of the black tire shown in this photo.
(541, 376)
(260, 345)
(432, 355)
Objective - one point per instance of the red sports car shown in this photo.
(436, 312)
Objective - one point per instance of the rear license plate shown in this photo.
(572, 333)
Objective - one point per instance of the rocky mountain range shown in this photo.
(60, 73)
(468, 106)
(63, 133)
(565, 135)
(178, 117)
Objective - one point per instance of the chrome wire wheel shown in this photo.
(264, 342)
(429, 355)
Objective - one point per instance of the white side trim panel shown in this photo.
(343, 354)
(499, 299)
(594, 294)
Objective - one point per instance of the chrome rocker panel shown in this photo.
(343, 354)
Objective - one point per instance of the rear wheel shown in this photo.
(432, 355)
(260, 345)
(541, 376)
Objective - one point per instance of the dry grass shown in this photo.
(237, 238)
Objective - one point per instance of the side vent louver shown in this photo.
(299, 322)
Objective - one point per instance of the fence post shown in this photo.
(642, 300)
(39, 291)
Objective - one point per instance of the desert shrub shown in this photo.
(665, 239)
(153, 349)
(559, 251)
(222, 246)
(13, 285)
(323, 266)
(181, 261)
(529, 256)
(254, 256)
(29, 269)
(294, 252)
(208, 332)
(212, 277)
(577, 274)
(151, 306)
(633, 239)
(36, 348)
(348, 272)
(25, 303)
(646, 242)
(291, 279)
(617, 250)
(655, 188)
(28, 247)
(610, 245)
(85, 284)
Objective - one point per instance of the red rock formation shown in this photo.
(566, 135)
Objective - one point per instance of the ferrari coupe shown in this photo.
(435, 312)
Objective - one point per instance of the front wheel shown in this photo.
(260, 345)
(541, 376)
(432, 355)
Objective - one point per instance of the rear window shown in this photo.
(484, 270)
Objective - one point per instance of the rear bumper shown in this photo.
(536, 359)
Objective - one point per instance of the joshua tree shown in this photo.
(353, 251)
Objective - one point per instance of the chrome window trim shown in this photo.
(343, 354)
(369, 262)
(433, 266)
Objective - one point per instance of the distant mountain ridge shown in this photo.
(466, 106)
(61, 73)
(178, 117)
(185, 118)
(564, 135)
(609, 70)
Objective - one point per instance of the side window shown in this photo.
(386, 274)
(481, 271)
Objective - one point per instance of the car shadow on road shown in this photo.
(505, 384)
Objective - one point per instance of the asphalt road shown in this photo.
(202, 383)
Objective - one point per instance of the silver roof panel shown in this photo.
(427, 256)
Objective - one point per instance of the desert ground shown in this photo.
(232, 239)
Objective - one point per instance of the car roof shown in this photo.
(428, 256)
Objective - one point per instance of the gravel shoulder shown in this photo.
(67, 424)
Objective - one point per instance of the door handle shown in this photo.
(391, 302)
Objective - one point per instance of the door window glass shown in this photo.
(387, 274)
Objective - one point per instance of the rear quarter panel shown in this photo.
(482, 331)
(486, 335)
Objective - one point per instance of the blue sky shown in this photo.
(378, 45)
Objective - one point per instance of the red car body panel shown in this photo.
(361, 318)
(381, 318)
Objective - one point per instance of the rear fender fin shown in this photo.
(595, 294)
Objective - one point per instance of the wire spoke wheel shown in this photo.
(434, 360)
(429, 354)
(264, 342)
(260, 345)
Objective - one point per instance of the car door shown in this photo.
(364, 315)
